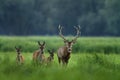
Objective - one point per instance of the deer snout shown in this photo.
(69, 50)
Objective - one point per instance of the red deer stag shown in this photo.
(65, 51)
(19, 58)
(38, 56)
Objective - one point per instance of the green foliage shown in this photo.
(84, 44)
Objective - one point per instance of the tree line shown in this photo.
(42, 17)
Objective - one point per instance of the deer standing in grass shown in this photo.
(51, 56)
(38, 56)
(19, 58)
(65, 51)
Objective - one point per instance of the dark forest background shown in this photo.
(42, 17)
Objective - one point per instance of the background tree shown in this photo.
(42, 17)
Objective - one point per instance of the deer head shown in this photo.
(41, 46)
(51, 52)
(68, 43)
(18, 49)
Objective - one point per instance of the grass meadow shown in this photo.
(93, 58)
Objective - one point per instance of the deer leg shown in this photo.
(63, 61)
(67, 60)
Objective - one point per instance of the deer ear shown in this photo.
(15, 47)
(39, 43)
(44, 43)
(48, 50)
(19, 47)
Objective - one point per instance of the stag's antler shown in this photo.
(60, 33)
(78, 32)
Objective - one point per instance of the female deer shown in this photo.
(51, 57)
(19, 57)
(38, 56)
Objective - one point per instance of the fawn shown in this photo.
(19, 58)
(51, 56)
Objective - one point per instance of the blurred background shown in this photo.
(42, 17)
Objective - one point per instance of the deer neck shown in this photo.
(40, 51)
(39, 57)
(18, 57)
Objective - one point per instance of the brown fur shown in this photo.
(63, 55)
(19, 57)
(38, 56)
(49, 59)
(51, 56)
(65, 51)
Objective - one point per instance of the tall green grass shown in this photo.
(83, 45)
(81, 67)
(94, 64)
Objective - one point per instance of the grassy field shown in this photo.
(83, 45)
(87, 62)
(81, 67)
